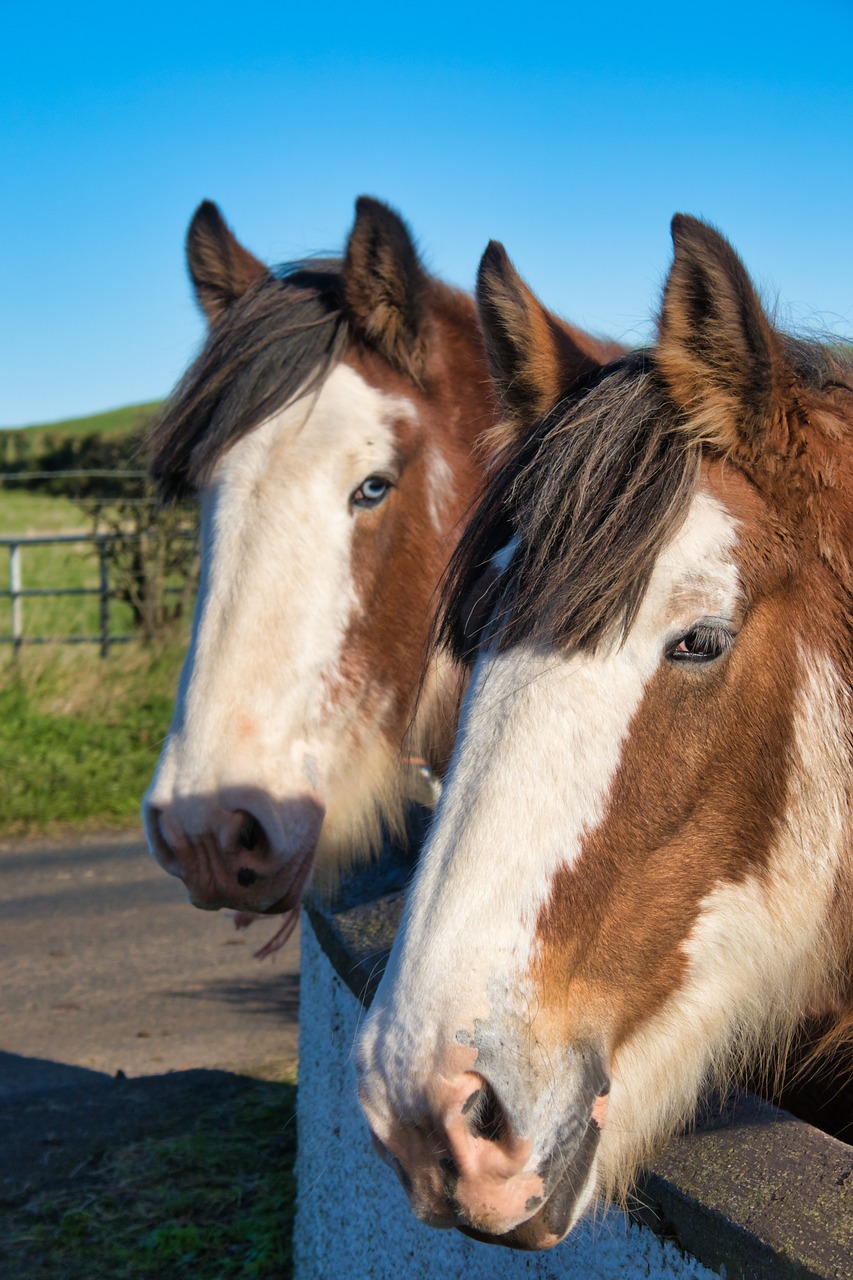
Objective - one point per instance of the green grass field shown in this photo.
(79, 735)
(65, 565)
(29, 513)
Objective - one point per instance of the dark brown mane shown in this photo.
(593, 495)
(278, 341)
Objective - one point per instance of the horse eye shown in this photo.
(371, 492)
(702, 643)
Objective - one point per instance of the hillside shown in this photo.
(112, 423)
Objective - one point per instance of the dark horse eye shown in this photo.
(371, 492)
(702, 643)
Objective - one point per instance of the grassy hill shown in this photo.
(95, 441)
(112, 423)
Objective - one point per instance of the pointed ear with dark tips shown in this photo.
(534, 357)
(716, 348)
(384, 284)
(220, 268)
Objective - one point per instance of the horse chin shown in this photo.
(283, 894)
(568, 1200)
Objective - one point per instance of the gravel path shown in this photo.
(105, 966)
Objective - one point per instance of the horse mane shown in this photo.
(593, 493)
(275, 343)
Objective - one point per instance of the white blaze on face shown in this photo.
(539, 746)
(276, 599)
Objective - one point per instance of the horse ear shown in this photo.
(384, 284)
(716, 347)
(220, 268)
(534, 357)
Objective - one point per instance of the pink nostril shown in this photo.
(463, 1161)
(476, 1132)
(486, 1116)
(251, 833)
(237, 850)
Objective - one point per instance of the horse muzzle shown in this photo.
(464, 1163)
(240, 850)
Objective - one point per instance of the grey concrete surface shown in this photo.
(104, 966)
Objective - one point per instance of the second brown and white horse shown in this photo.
(641, 867)
(334, 429)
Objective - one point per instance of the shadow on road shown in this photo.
(279, 1000)
(71, 1116)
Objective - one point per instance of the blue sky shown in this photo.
(571, 133)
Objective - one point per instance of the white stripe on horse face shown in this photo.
(540, 742)
(277, 595)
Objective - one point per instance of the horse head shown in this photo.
(640, 869)
(329, 429)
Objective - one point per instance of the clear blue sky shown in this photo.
(572, 133)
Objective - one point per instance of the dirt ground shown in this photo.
(108, 972)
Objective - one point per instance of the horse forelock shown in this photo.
(598, 488)
(592, 495)
(272, 345)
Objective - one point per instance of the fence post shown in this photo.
(15, 594)
(105, 597)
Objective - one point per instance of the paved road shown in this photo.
(105, 966)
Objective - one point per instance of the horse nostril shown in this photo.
(250, 833)
(161, 842)
(486, 1115)
(246, 877)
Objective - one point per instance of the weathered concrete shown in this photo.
(759, 1193)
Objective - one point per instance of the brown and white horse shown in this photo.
(641, 865)
(333, 427)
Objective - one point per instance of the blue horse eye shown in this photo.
(371, 492)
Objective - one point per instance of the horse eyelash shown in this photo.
(707, 637)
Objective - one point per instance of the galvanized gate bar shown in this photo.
(18, 592)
